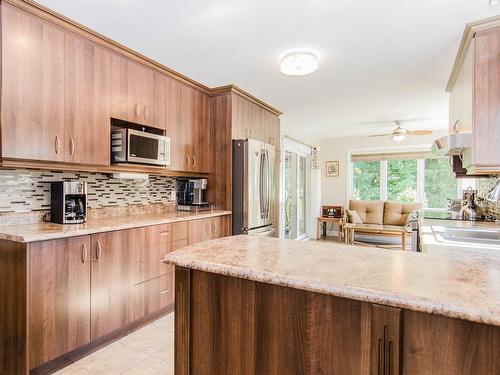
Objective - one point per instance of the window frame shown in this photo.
(463, 183)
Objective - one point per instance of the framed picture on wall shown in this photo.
(332, 168)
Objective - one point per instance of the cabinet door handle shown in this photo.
(71, 146)
(207, 228)
(136, 110)
(214, 227)
(56, 144)
(194, 161)
(84, 253)
(187, 160)
(98, 252)
(146, 112)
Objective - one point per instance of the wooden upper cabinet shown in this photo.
(32, 87)
(486, 125)
(249, 120)
(474, 88)
(87, 101)
(187, 123)
(135, 93)
(202, 133)
(59, 297)
(461, 97)
(173, 122)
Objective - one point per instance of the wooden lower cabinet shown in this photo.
(154, 295)
(63, 297)
(438, 345)
(228, 325)
(115, 269)
(58, 297)
(385, 340)
(208, 229)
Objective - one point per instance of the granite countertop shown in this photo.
(49, 231)
(460, 287)
(432, 240)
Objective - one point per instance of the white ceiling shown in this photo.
(378, 59)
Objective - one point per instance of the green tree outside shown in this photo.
(402, 180)
(440, 183)
(366, 180)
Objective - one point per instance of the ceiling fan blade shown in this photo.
(402, 121)
(379, 135)
(415, 119)
(376, 123)
(420, 132)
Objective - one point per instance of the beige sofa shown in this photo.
(378, 218)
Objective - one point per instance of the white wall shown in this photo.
(334, 189)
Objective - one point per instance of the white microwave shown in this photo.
(133, 146)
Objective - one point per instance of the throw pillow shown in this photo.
(353, 217)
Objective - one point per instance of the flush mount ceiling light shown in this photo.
(299, 63)
(494, 3)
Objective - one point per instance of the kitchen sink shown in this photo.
(469, 235)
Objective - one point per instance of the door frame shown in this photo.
(299, 149)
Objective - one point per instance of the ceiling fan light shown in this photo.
(398, 137)
(299, 63)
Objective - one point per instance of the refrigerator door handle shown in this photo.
(268, 185)
(261, 184)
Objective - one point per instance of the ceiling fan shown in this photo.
(400, 133)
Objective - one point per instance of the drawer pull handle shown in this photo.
(164, 291)
(165, 233)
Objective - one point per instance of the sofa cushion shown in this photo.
(353, 217)
(396, 213)
(370, 212)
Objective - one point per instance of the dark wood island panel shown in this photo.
(229, 325)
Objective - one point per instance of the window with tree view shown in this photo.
(430, 181)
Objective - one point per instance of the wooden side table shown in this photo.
(322, 221)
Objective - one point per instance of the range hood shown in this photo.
(452, 144)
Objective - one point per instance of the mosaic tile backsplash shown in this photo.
(484, 186)
(29, 190)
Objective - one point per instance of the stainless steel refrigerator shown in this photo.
(254, 198)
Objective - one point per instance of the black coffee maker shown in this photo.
(68, 202)
(191, 194)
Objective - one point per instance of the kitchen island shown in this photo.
(250, 305)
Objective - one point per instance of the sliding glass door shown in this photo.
(296, 175)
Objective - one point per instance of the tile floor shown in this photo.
(147, 351)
